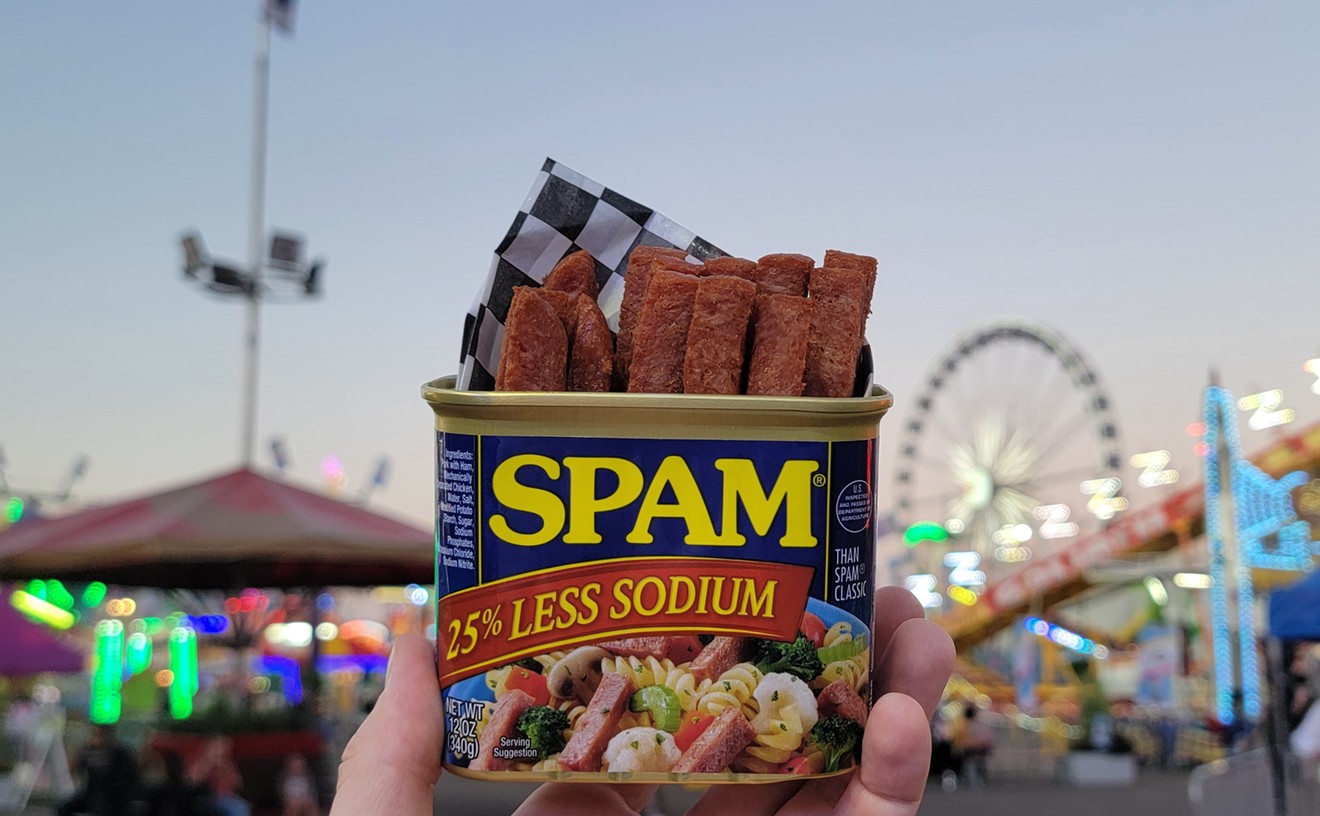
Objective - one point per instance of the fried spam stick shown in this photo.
(736, 267)
(575, 274)
(717, 337)
(635, 283)
(779, 346)
(661, 333)
(564, 304)
(838, 315)
(783, 273)
(592, 356)
(534, 353)
(836, 259)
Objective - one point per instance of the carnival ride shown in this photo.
(1175, 521)
(1010, 422)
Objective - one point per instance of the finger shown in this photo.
(895, 761)
(894, 606)
(562, 798)
(392, 763)
(917, 663)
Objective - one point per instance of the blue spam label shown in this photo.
(643, 549)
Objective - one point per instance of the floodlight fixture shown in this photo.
(312, 283)
(194, 254)
(285, 252)
(227, 279)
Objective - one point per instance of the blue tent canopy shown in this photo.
(1295, 611)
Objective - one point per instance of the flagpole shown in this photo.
(256, 234)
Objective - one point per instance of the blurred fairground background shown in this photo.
(1097, 310)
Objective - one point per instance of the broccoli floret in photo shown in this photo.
(837, 737)
(544, 726)
(798, 658)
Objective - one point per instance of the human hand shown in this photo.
(393, 762)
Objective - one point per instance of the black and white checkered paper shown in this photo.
(564, 212)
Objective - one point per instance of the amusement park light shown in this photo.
(1262, 511)
(107, 673)
(963, 595)
(1312, 366)
(294, 635)
(1105, 501)
(183, 665)
(138, 658)
(417, 595)
(1154, 467)
(1267, 413)
(14, 507)
(41, 610)
(1155, 587)
(1054, 521)
(93, 594)
(924, 531)
(963, 568)
(1193, 580)
(923, 586)
(207, 624)
(1013, 555)
(1065, 638)
(1011, 534)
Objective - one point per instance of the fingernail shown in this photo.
(389, 666)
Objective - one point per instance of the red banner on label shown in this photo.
(490, 625)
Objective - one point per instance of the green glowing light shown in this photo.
(139, 653)
(107, 672)
(58, 595)
(41, 610)
(93, 594)
(924, 531)
(183, 665)
(14, 509)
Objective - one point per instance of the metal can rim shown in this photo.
(442, 392)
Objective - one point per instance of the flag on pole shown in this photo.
(279, 13)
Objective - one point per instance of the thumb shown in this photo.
(392, 763)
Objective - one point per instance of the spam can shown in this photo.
(653, 588)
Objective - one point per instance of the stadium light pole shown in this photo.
(285, 252)
(256, 226)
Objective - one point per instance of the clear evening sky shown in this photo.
(1145, 177)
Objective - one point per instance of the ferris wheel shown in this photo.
(1012, 450)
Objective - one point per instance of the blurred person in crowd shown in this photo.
(215, 768)
(1305, 738)
(298, 788)
(1300, 683)
(108, 777)
(168, 791)
(392, 764)
(978, 740)
(1096, 716)
(943, 761)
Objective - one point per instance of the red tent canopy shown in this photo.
(29, 648)
(235, 530)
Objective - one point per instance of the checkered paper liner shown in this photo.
(564, 212)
